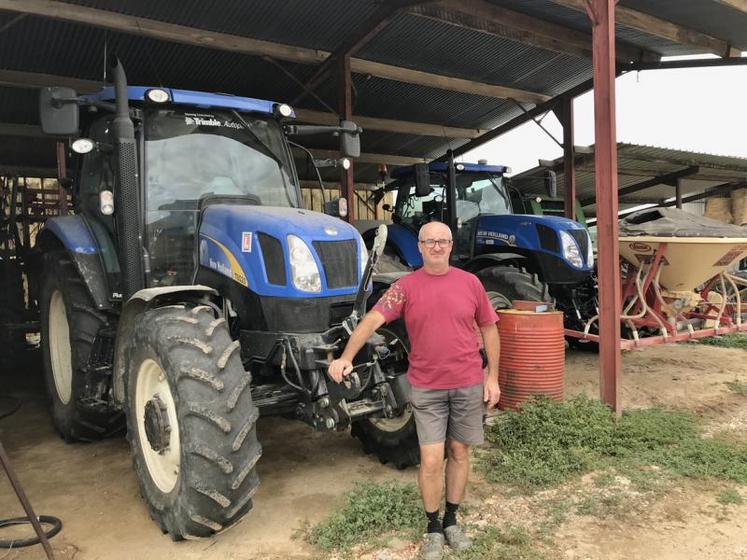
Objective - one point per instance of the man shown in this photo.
(441, 306)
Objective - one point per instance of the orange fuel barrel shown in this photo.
(532, 356)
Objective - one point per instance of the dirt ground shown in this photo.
(92, 487)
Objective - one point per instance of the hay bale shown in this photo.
(739, 206)
(719, 209)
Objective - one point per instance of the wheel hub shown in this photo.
(157, 427)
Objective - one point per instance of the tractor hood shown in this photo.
(250, 244)
(553, 235)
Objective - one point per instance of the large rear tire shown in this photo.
(191, 421)
(69, 325)
(392, 440)
(504, 284)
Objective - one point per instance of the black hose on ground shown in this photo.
(54, 522)
(56, 527)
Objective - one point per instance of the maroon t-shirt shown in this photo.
(440, 313)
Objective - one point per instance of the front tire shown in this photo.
(70, 323)
(191, 421)
(392, 440)
(504, 284)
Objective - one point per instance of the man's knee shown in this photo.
(457, 451)
(431, 458)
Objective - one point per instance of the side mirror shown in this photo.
(350, 139)
(422, 179)
(58, 111)
(387, 207)
(551, 184)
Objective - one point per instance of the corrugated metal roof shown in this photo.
(45, 45)
(638, 163)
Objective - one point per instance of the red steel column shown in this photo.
(602, 15)
(569, 156)
(347, 186)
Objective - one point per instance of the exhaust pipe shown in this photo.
(126, 198)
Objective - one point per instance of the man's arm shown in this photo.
(492, 343)
(343, 365)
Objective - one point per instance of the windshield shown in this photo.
(189, 155)
(480, 194)
(477, 194)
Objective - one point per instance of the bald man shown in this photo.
(441, 306)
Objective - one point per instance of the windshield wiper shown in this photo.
(261, 146)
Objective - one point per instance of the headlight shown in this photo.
(589, 251)
(570, 250)
(303, 266)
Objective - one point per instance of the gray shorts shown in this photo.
(453, 413)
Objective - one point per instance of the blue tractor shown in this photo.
(191, 293)
(516, 256)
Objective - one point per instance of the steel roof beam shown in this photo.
(482, 16)
(666, 179)
(234, 43)
(381, 17)
(662, 28)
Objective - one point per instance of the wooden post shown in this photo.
(347, 185)
(602, 15)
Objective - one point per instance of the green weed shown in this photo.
(507, 543)
(731, 340)
(548, 443)
(737, 387)
(730, 496)
(367, 512)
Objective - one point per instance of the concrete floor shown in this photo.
(92, 487)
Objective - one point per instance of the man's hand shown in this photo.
(492, 391)
(340, 368)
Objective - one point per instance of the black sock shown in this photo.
(434, 526)
(450, 515)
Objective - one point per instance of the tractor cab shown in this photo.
(480, 191)
(194, 149)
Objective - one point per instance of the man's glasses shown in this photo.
(431, 243)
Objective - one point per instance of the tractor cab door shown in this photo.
(478, 194)
(96, 173)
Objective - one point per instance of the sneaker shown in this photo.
(433, 546)
(456, 538)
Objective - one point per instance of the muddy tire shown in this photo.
(392, 440)
(191, 422)
(505, 284)
(69, 325)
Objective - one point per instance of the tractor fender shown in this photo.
(140, 302)
(74, 234)
(491, 259)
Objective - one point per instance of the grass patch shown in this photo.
(507, 543)
(369, 511)
(730, 497)
(737, 387)
(549, 443)
(731, 340)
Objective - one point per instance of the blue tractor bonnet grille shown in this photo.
(340, 262)
(548, 238)
(272, 252)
